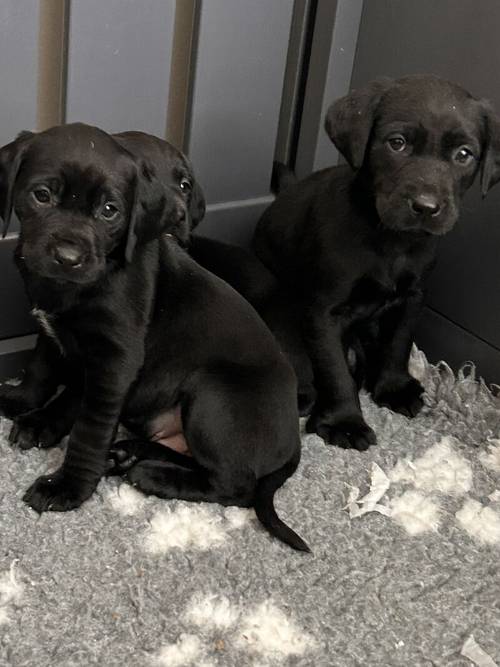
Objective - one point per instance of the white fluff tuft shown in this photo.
(439, 469)
(491, 458)
(186, 526)
(238, 517)
(268, 630)
(212, 611)
(417, 364)
(11, 588)
(124, 499)
(479, 522)
(415, 513)
(185, 650)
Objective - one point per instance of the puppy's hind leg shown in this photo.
(160, 471)
(125, 454)
(241, 425)
(167, 480)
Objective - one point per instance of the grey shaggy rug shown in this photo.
(404, 570)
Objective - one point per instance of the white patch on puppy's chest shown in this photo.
(44, 321)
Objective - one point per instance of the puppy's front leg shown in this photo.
(336, 416)
(107, 381)
(394, 387)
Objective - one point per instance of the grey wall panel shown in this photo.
(456, 39)
(338, 78)
(18, 111)
(330, 69)
(298, 53)
(465, 284)
(15, 319)
(236, 96)
(18, 73)
(119, 63)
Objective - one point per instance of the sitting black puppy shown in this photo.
(351, 246)
(136, 332)
(356, 242)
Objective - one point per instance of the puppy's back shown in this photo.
(285, 225)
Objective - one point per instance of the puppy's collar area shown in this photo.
(171, 237)
(46, 322)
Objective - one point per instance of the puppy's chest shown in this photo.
(382, 288)
(54, 328)
(47, 324)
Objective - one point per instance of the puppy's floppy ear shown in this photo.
(490, 153)
(154, 211)
(11, 157)
(349, 120)
(196, 206)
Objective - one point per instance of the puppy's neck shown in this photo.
(361, 193)
(51, 296)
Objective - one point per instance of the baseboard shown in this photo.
(234, 221)
(14, 354)
(442, 339)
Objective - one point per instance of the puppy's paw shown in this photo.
(57, 493)
(305, 402)
(403, 396)
(147, 477)
(28, 432)
(122, 457)
(346, 432)
(51, 435)
(24, 437)
(13, 401)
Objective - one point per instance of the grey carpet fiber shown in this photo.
(128, 581)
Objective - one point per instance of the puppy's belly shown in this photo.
(166, 430)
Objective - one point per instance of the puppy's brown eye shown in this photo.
(109, 211)
(397, 143)
(463, 155)
(42, 195)
(185, 185)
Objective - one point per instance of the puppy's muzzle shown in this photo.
(423, 204)
(68, 255)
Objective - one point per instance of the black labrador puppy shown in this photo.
(134, 331)
(356, 242)
(351, 246)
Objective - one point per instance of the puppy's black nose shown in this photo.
(68, 255)
(424, 205)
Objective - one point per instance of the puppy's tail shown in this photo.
(281, 178)
(264, 507)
